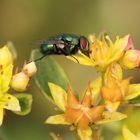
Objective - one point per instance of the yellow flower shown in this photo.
(117, 90)
(7, 101)
(103, 53)
(80, 114)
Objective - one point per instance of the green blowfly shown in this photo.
(65, 44)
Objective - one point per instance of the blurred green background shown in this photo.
(25, 21)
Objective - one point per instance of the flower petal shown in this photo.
(113, 72)
(81, 59)
(71, 99)
(11, 102)
(5, 78)
(86, 102)
(130, 44)
(73, 115)
(112, 106)
(59, 95)
(112, 94)
(128, 135)
(95, 113)
(95, 90)
(111, 117)
(98, 52)
(83, 122)
(133, 91)
(57, 119)
(1, 116)
(116, 50)
(85, 134)
(5, 57)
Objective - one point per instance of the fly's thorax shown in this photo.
(68, 44)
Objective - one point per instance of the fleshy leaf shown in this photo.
(59, 95)
(133, 91)
(25, 101)
(128, 135)
(111, 117)
(48, 70)
(85, 134)
(57, 119)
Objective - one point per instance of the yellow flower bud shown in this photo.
(19, 81)
(5, 56)
(131, 59)
(30, 69)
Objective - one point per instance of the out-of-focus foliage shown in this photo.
(48, 71)
(24, 22)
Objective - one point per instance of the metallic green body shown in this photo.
(62, 44)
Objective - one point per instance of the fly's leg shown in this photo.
(74, 58)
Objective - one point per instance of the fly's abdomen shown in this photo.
(47, 49)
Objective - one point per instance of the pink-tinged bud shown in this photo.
(19, 81)
(130, 44)
(131, 59)
(30, 69)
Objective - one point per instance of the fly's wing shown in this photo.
(52, 41)
(57, 39)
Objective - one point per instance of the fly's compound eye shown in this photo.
(84, 45)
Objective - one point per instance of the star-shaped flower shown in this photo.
(116, 89)
(104, 52)
(81, 114)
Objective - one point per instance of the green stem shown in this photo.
(54, 137)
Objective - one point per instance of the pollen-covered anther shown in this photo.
(1, 67)
(84, 108)
(88, 93)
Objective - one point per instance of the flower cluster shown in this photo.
(105, 52)
(104, 96)
(8, 80)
